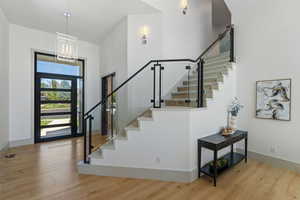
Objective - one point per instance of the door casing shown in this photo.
(37, 103)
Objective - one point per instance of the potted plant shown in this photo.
(222, 164)
(233, 111)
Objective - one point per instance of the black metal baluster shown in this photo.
(160, 85)
(232, 44)
(90, 133)
(85, 141)
(154, 85)
(188, 84)
(202, 82)
(200, 85)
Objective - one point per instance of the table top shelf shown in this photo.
(218, 141)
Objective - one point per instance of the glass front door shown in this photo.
(59, 95)
(57, 109)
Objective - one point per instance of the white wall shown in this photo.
(4, 82)
(21, 77)
(113, 59)
(113, 54)
(267, 47)
(141, 87)
(185, 35)
(172, 35)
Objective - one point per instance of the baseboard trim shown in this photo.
(18, 143)
(275, 162)
(3, 148)
(138, 173)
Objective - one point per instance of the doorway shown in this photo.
(108, 108)
(59, 98)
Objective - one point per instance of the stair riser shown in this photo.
(195, 88)
(217, 62)
(219, 57)
(182, 104)
(222, 69)
(186, 96)
(208, 81)
(213, 70)
(211, 76)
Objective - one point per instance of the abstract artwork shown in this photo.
(273, 99)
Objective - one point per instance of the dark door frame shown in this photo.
(104, 127)
(37, 102)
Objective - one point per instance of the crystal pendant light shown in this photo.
(66, 45)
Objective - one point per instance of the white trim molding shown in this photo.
(138, 173)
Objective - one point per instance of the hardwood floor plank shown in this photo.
(48, 171)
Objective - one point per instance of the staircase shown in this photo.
(160, 143)
(214, 70)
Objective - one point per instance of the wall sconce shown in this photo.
(184, 6)
(144, 34)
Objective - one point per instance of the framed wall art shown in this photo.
(273, 99)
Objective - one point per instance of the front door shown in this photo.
(59, 98)
(56, 107)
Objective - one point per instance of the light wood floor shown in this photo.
(48, 171)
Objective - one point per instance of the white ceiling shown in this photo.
(90, 19)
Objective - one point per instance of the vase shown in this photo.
(233, 122)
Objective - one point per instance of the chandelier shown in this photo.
(66, 45)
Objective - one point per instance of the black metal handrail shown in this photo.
(221, 36)
(200, 92)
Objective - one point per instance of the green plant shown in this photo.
(222, 162)
(45, 122)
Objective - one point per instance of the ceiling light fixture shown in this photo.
(66, 45)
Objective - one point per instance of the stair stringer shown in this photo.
(168, 142)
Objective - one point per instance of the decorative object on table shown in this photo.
(222, 164)
(273, 99)
(233, 111)
(227, 131)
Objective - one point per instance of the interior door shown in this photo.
(108, 108)
(55, 107)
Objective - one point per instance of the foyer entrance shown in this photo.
(59, 98)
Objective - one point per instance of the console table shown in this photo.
(217, 142)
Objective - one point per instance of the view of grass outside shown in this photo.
(45, 122)
(55, 106)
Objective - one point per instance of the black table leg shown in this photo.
(199, 158)
(215, 167)
(246, 149)
(231, 154)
